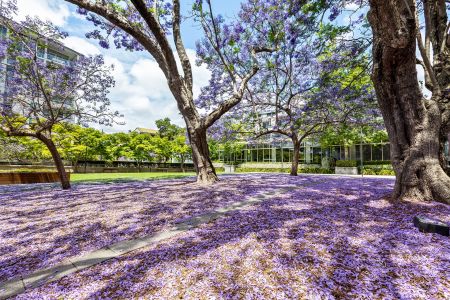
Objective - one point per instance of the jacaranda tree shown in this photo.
(40, 93)
(148, 25)
(316, 78)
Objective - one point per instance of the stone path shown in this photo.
(18, 285)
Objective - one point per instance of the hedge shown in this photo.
(377, 162)
(285, 170)
(378, 171)
(346, 163)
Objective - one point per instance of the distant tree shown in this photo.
(141, 147)
(180, 148)
(167, 129)
(19, 149)
(76, 142)
(40, 94)
(115, 146)
(176, 136)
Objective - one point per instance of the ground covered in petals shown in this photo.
(316, 237)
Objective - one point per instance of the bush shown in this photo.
(284, 170)
(379, 167)
(377, 162)
(386, 172)
(378, 171)
(263, 170)
(346, 163)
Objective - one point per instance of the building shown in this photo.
(53, 51)
(279, 150)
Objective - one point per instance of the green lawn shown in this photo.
(125, 176)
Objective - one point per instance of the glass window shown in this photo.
(377, 152)
(386, 152)
(367, 153)
(336, 152)
(41, 52)
(287, 155)
(317, 155)
(3, 31)
(278, 155)
(57, 57)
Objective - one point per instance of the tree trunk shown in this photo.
(65, 182)
(182, 163)
(296, 157)
(413, 122)
(206, 173)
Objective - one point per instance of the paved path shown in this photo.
(20, 284)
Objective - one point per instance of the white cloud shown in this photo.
(81, 45)
(142, 94)
(351, 6)
(55, 11)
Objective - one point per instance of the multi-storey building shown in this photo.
(53, 51)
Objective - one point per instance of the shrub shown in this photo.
(386, 172)
(263, 170)
(377, 162)
(378, 171)
(284, 170)
(346, 163)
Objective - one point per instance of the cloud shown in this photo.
(142, 94)
(56, 11)
(81, 45)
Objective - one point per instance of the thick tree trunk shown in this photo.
(206, 173)
(296, 156)
(65, 182)
(413, 122)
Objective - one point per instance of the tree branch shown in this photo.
(184, 59)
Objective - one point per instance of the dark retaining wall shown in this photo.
(37, 177)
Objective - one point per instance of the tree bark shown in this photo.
(65, 182)
(206, 173)
(413, 122)
(296, 157)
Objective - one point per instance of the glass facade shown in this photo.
(309, 153)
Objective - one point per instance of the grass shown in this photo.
(125, 176)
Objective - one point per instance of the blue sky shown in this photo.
(141, 92)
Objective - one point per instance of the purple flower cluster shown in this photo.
(315, 237)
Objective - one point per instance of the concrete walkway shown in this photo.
(19, 285)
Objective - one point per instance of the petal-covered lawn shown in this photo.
(318, 237)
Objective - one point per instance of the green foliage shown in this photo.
(347, 135)
(378, 171)
(377, 162)
(167, 129)
(346, 163)
(76, 143)
(285, 170)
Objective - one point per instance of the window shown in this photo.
(3, 31)
(377, 152)
(57, 57)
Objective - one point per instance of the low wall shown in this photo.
(45, 168)
(346, 170)
(33, 177)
